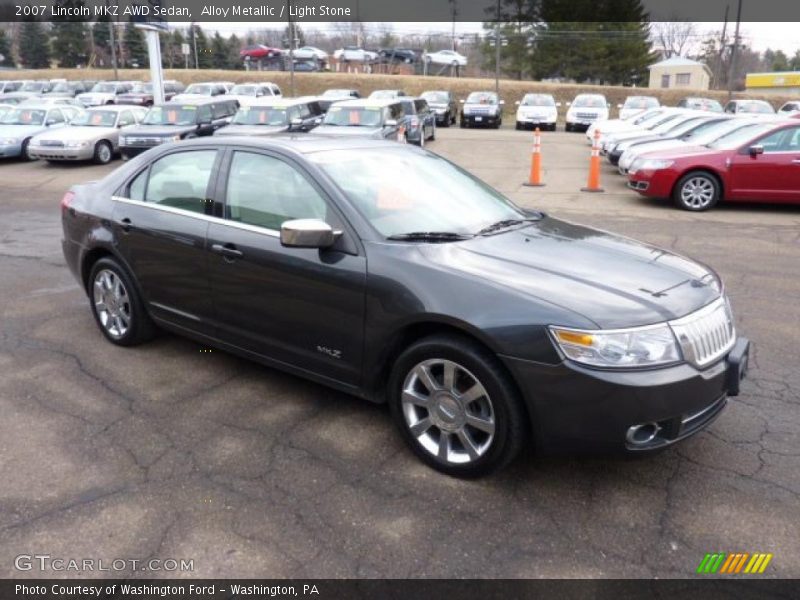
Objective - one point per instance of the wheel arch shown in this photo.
(702, 169)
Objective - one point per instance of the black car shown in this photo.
(385, 271)
(405, 55)
(444, 106)
(174, 121)
(274, 116)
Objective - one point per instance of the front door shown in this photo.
(773, 176)
(302, 307)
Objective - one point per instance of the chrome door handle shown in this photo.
(796, 161)
(125, 224)
(229, 251)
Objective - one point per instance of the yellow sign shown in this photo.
(762, 80)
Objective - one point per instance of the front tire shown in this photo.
(103, 154)
(116, 305)
(456, 406)
(25, 150)
(697, 191)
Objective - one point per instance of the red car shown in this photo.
(260, 51)
(760, 162)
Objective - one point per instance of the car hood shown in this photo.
(365, 132)
(158, 130)
(13, 131)
(254, 130)
(684, 151)
(78, 133)
(658, 145)
(613, 281)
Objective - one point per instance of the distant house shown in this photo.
(680, 73)
(786, 83)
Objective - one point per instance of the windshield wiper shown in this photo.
(430, 236)
(505, 223)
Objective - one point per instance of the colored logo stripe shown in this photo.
(721, 562)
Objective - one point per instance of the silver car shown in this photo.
(92, 135)
(20, 124)
(105, 92)
(373, 119)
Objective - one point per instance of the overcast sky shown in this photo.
(759, 36)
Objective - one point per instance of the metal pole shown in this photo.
(112, 40)
(497, 51)
(194, 43)
(735, 51)
(156, 72)
(718, 70)
(291, 51)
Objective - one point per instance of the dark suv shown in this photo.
(174, 121)
(271, 116)
(419, 121)
(444, 106)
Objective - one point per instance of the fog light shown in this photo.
(642, 434)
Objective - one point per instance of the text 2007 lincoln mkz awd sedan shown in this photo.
(390, 273)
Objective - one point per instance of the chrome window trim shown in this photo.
(209, 218)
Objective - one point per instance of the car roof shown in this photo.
(302, 144)
(369, 102)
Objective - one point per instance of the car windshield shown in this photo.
(537, 100)
(261, 115)
(704, 104)
(23, 116)
(33, 86)
(95, 118)
(646, 117)
(401, 192)
(481, 98)
(383, 94)
(756, 107)
(683, 126)
(104, 88)
(640, 102)
(142, 88)
(171, 115)
(354, 116)
(790, 106)
(63, 87)
(663, 123)
(336, 93)
(590, 102)
(436, 97)
(709, 133)
(740, 136)
(197, 88)
(244, 90)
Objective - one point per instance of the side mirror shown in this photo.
(307, 233)
(296, 123)
(390, 123)
(756, 150)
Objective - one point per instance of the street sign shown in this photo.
(185, 50)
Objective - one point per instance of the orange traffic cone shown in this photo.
(535, 177)
(593, 185)
(401, 134)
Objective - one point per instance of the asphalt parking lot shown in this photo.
(171, 451)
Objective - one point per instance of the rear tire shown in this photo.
(25, 151)
(447, 120)
(117, 308)
(456, 406)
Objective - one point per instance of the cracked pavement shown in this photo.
(164, 451)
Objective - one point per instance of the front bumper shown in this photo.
(654, 184)
(535, 121)
(56, 153)
(128, 152)
(576, 409)
(481, 119)
(10, 150)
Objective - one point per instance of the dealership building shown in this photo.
(786, 83)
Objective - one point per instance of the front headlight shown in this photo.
(9, 141)
(653, 164)
(625, 348)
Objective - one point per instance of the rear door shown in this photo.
(772, 176)
(160, 221)
(302, 307)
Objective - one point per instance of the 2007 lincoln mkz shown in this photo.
(390, 273)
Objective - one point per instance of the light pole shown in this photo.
(735, 52)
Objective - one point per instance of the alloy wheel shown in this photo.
(112, 303)
(448, 411)
(698, 192)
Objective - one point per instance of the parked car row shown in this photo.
(697, 158)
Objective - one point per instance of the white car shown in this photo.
(351, 54)
(790, 109)
(310, 53)
(445, 57)
(105, 92)
(612, 126)
(247, 93)
(586, 109)
(537, 110)
(635, 105)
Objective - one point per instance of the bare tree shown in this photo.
(674, 38)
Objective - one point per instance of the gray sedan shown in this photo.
(92, 135)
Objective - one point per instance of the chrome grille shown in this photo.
(586, 116)
(52, 143)
(707, 334)
(143, 141)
